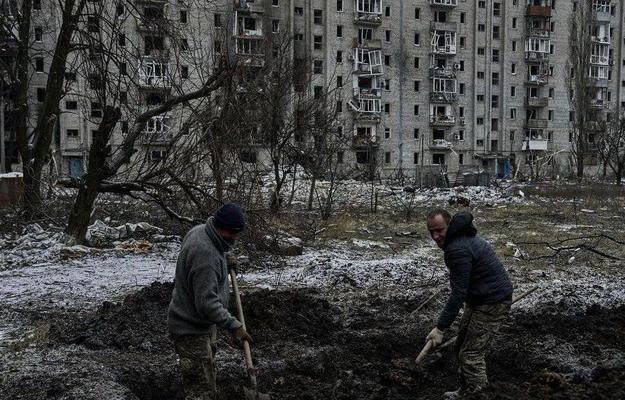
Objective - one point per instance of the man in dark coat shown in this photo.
(478, 281)
(199, 303)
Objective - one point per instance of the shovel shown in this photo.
(428, 345)
(251, 393)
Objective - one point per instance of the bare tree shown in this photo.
(580, 90)
(34, 142)
(158, 88)
(611, 145)
(286, 109)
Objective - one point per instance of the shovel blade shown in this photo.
(251, 394)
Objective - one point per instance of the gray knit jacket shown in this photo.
(201, 294)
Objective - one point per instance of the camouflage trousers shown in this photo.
(478, 327)
(197, 364)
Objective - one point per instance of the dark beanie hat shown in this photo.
(229, 217)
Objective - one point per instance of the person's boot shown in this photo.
(455, 395)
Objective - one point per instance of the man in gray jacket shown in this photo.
(199, 303)
(478, 281)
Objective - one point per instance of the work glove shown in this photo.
(241, 335)
(232, 263)
(436, 336)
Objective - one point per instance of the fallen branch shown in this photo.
(426, 302)
(584, 246)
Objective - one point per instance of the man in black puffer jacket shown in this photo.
(478, 281)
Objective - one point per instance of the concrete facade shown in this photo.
(426, 85)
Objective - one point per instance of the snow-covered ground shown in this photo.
(47, 280)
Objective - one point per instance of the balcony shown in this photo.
(603, 13)
(366, 109)
(440, 144)
(595, 126)
(153, 74)
(373, 44)
(599, 104)
(537, 80)
(436, 72)
(157, 130)
(536, 56)
(368, 93)
(600, 39)
(365, 141)
(535, 145)
(254, 6)
(443, 97)
(536, 102)
(442, 120)
(536, 123)
(367, 19)
(538, 11)
(444, 26)
(598, 82)
(367, 62)
(444, 3)
(250, 51)
(539, 32)
(600, 60)
(446, 50)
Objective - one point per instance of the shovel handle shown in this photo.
(424, 352)
(246, 346)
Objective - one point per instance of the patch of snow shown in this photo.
(12, 175)
(362, 267)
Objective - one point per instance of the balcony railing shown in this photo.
(538, 32)
(600, 39)
(535, 145)
(444, 26)
(601, 60)
(599, 103)
(536, 123)
(536, 56)
(442, 120)
(603, 13)
(441, 97)
(444, 3)
(364, 18)
(539, 11)
(537, 80)
(536, 101)
(440, 144)
(372, 93)
(436, 72)
(255, 6)
(365, 141)
(447, 50)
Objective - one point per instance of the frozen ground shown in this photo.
(336, 322)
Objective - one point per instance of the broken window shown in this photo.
(157, 124)
(369, 6)
(152, 72)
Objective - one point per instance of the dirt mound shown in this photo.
(301, 315)
(308, 348)
(139, 322)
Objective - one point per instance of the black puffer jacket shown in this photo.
(476, 274)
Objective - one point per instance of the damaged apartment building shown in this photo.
(426, 86)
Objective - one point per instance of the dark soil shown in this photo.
(309, 347)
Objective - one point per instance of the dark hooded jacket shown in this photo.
(476, 274)
(199, 302)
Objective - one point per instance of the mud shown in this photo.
(310, 345)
